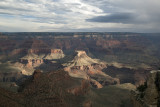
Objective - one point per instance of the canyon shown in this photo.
(80, 66)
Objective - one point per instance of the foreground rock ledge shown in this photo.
(150, 97)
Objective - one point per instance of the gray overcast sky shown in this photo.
(80, 15)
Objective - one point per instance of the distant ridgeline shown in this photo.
(74, 34)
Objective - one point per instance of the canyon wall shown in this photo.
(147, 95)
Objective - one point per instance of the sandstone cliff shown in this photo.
(55, 54)
(82, 66)
(29, 62)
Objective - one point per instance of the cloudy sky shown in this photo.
(80, 15)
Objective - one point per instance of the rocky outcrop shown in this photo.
(147, 95)
(48, 90)
(95, 83)
(81, 60)
(82, 66)
(32, 60)
(54, 54)
(55, 88)
(151, 93)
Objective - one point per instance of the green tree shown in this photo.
(142, 88)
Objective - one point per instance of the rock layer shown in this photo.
(82, 66)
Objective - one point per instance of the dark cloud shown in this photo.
(114, 18)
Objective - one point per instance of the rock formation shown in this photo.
(55, 88)
(55, 54)
(52, 89)
(31, 60)
(81, 59)
(148, 95)
(82, 66)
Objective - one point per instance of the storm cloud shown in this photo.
(114, 18)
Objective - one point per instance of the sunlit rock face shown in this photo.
(82, 66)
(54, 54)
(31, 53)
(81, 59)
(32, 60)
